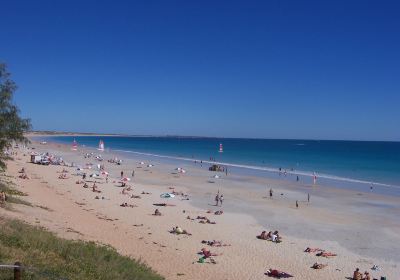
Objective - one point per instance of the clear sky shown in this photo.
(268, 69)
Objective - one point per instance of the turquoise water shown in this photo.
(351, 161)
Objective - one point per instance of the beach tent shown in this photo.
(167, 195)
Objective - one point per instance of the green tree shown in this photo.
(12, 126)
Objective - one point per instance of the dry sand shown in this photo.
(363, 229)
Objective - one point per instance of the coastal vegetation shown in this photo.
(12, 126)
(47, 256)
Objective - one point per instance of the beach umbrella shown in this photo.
(141, 162)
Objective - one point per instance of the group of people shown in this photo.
(359, 276)
(272, 236)
(219, 199)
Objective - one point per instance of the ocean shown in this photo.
(372, 163)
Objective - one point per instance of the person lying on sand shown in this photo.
(312, 250)
(163, 204)
(219, 212)
(178, 230)
(22, 170)
(157, 213)
(85, 186)
(136, 196)
(215, 243)
(319, 266)
(207, 253)
(62, 176)
(145, 192)
(326, 254)
(128, 205)
(206, 221)
(277, 274)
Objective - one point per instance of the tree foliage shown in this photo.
(12, 126)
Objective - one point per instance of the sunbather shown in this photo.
(207, 253)
(157, 213)
(326, 254)
(357, 274)
(263, 235)
(319, 265)
(277, 274)
(178, 230)
(94, 188)
(125, 204)
(312, 250)
(215, 243)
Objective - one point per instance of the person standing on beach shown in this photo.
(217, 199)
(297, 204)
(297, 178)
(270, 193)
(226, 171)
(221, 199)
(133, 173)
(122, 174)
(308, 198)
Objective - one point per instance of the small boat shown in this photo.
(74, 145)
(221, 148)
(101, 146)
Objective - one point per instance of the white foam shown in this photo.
(268, 169)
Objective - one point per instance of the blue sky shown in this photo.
(267, 69)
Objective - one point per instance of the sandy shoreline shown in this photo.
(344, 222)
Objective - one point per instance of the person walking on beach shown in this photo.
(297, 178)
(226, 171)
(107, 179)
(217, 199)
(308, 197)
(133, 173)
(297, 204)
(221, 199)
(270, 193)
(122, 174)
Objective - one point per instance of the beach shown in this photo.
(361, 228)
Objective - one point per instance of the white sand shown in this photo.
(339, 221)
